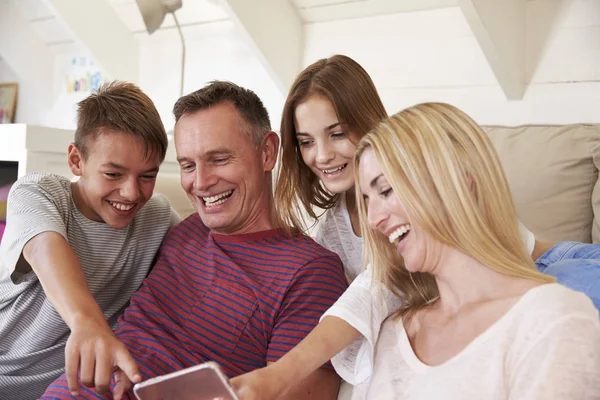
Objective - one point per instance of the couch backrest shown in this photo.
(553, 175)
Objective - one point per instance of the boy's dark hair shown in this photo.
(246, 102)
(120, 106)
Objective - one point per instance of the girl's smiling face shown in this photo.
(325, 143)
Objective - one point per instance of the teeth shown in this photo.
(399, 232)
(217, 199)
(331, 171)
(121, 206)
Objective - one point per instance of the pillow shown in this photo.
(553, 175)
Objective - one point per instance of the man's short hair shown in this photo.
(121, 106)
(252, 110)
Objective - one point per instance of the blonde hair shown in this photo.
(354, 97)
(447, 174)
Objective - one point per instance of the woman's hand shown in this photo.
(261, 384)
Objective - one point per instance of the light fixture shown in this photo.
(154, 12)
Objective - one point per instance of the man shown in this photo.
(230, 284)
(74, 253)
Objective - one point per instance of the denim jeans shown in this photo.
(575, 265)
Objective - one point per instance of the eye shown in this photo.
(186, 167)
(112, 175)
(149, 177)
(220, 161)
(385, 193)
(338, 135)
(304, 142)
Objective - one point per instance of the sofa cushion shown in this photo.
(553, 175)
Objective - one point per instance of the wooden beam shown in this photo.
(274, 31)
(499, 27)
(97, 26)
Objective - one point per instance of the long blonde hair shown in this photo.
(350, 89)
(447, 174)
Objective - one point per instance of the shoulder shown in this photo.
(306, 256)
(555, 312)
(157, 204)
(305, 247)
(556, 301)
(191, 229)
(51, 185)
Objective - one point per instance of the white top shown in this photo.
(547, 346)
(334, 232)
(360, 306)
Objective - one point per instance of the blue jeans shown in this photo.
(575, 265)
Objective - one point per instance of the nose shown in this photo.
(204, 178)
(376, 215)
(130, 190)
(324, 153)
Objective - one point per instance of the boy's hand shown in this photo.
(94, 350)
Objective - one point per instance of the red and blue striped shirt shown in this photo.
(239, 300)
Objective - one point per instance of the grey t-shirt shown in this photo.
(115, 262)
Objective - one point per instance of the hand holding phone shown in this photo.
(201, 382)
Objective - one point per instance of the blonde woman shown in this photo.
(478, 319)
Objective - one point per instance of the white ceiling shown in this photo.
(195, 13)
(330, 10)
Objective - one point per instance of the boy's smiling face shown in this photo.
(116, 179)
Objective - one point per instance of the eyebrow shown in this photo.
(221, 151)
(122, 168)
(374, 181)
(327, 128)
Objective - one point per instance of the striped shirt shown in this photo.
(239, 300)
(115, 263)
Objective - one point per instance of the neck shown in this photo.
(464, 281)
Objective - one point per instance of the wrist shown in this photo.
(88, 319)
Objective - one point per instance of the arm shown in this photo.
(92, 347)
(562, 363)
(359, 312)
(36, 240)
(299, 369)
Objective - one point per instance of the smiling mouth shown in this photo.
(122, 206)
(334, 170)
(213, 201)
(399, 234)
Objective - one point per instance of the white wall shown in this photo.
(26, 110)
(213, 51)
(433, 56)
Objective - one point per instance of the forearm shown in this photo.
(61, 276)
(327, 339)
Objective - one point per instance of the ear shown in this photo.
(75, 159)
(269, 150)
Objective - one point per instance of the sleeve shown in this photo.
(175, 218)
(562, 363)
(527, 237)
(314, 288)
(31, 210)
(364, 306)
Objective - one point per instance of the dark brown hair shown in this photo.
(246, 102)
(122, 107)
(350, 89)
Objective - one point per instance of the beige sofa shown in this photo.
(552, 171)
(553, 175)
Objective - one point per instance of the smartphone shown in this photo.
(201, 382)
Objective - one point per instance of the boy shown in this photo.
(74, 253)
